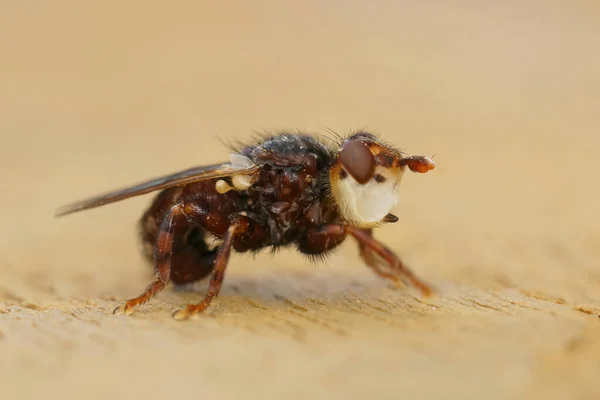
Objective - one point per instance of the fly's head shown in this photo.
(366, 176)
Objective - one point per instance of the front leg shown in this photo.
(370, 258)
(369, 245)
(321, 239)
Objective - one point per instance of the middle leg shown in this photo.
(237, 227)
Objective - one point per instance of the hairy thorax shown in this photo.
(288, 195)
(287, 201)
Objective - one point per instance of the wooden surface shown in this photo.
(506, 228)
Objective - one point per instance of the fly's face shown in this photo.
(365, 180)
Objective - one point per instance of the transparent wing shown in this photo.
(180, 178)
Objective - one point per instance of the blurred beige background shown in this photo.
(506, 94)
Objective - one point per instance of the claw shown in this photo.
(182, 314)
(399, 283)
(124, 309)
(426, 291)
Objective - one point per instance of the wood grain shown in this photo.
(505, 228)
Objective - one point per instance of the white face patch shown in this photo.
(366, 205)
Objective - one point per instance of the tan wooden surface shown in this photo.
(506, 228)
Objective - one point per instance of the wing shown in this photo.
(180, 178)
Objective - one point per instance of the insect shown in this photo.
(281, 190)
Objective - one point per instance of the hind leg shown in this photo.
(192, 259)
(162, 257)
(169, 250)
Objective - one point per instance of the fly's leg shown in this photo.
(369, 247)
(320, 240)
(369, 257)
(163, 249)
(368, 244)
(237, 227)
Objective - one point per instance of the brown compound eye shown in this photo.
(358, 159)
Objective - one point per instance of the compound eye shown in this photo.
(358, 159)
